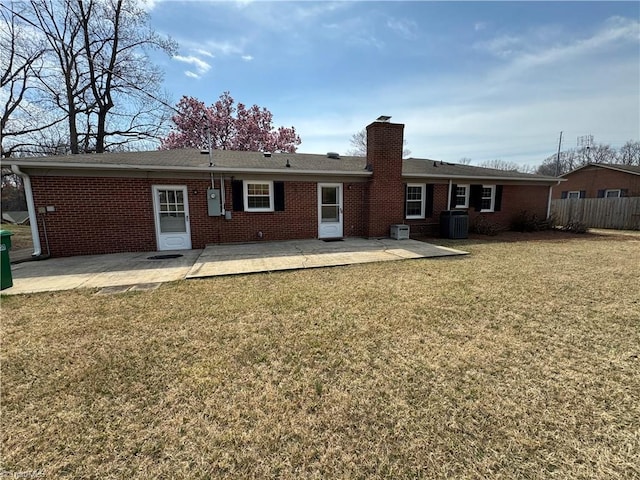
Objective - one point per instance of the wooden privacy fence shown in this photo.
(621, 213)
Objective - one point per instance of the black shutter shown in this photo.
(497, 204)
(624, 192)
(600, 193)
(475, 197)
(563, 194)
(278, 196)
(583, 193)
(428, 201)
(237, 196)
(404, 210)
(452, 200)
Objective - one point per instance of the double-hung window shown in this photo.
(258, 196)
(415, 201)
(613, 193)
(573, 194)
(488, 199)
(462, 196)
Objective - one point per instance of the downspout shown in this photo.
(222, 194)
(449, 196)
(33, 219)
(549, 200)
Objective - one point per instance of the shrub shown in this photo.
(484, 227)
(575, 227)
(526, 221)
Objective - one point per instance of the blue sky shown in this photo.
(484, 80)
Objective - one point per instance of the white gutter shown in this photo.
(549, 200)
(472, 178)
(204, 168)
(33, 219)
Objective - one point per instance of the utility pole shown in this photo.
(558, 157)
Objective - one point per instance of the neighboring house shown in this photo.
(180, 199)
(600, 180)
(17, 218)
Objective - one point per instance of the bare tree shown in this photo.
(114, 34)
(465, 161)
(100, 81)
(359, 143)
(499, 164)
(20, 60)
(629, 153)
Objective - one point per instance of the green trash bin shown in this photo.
(6, 280)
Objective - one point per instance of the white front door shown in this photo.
(171, 210)
(329, 210)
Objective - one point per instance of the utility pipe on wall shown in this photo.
(33, 219)
(549, 200)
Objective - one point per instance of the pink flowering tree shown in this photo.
(232, 127)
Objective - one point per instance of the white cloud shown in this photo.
(247, 58)
(200, 65)
(205, 53)
(407, 29)
(514, 110)
(479, 26)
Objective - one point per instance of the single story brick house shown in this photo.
(181, 199)
(600, 180)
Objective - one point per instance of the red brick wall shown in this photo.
(385, 202)
(592, 179)
(107, 215)
(515, 199)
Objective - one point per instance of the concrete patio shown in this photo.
(121, 272)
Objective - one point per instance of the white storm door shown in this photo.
(329, 210)
(171, 210)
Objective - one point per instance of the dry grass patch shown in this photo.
(21, 237)
(518, 361)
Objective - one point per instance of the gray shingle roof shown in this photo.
(633, 169)
(235, 161)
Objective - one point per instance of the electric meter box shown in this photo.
(213, 202)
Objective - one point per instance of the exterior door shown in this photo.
(330, 210)
(171, 210)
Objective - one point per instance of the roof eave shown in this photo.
(484, 177)
(175, 168)
(601, 165)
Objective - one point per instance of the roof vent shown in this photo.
(267, 154)
(334, 155)
(383, 118)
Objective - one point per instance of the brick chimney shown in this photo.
(385, 199)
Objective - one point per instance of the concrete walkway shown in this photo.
(120, 272)
(297, 254)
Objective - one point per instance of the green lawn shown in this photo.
(520, 360)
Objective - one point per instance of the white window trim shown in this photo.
(422, 200)
(245, 192)
(493, 198)
(606, 192)
(573, 191)
(467, 188)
